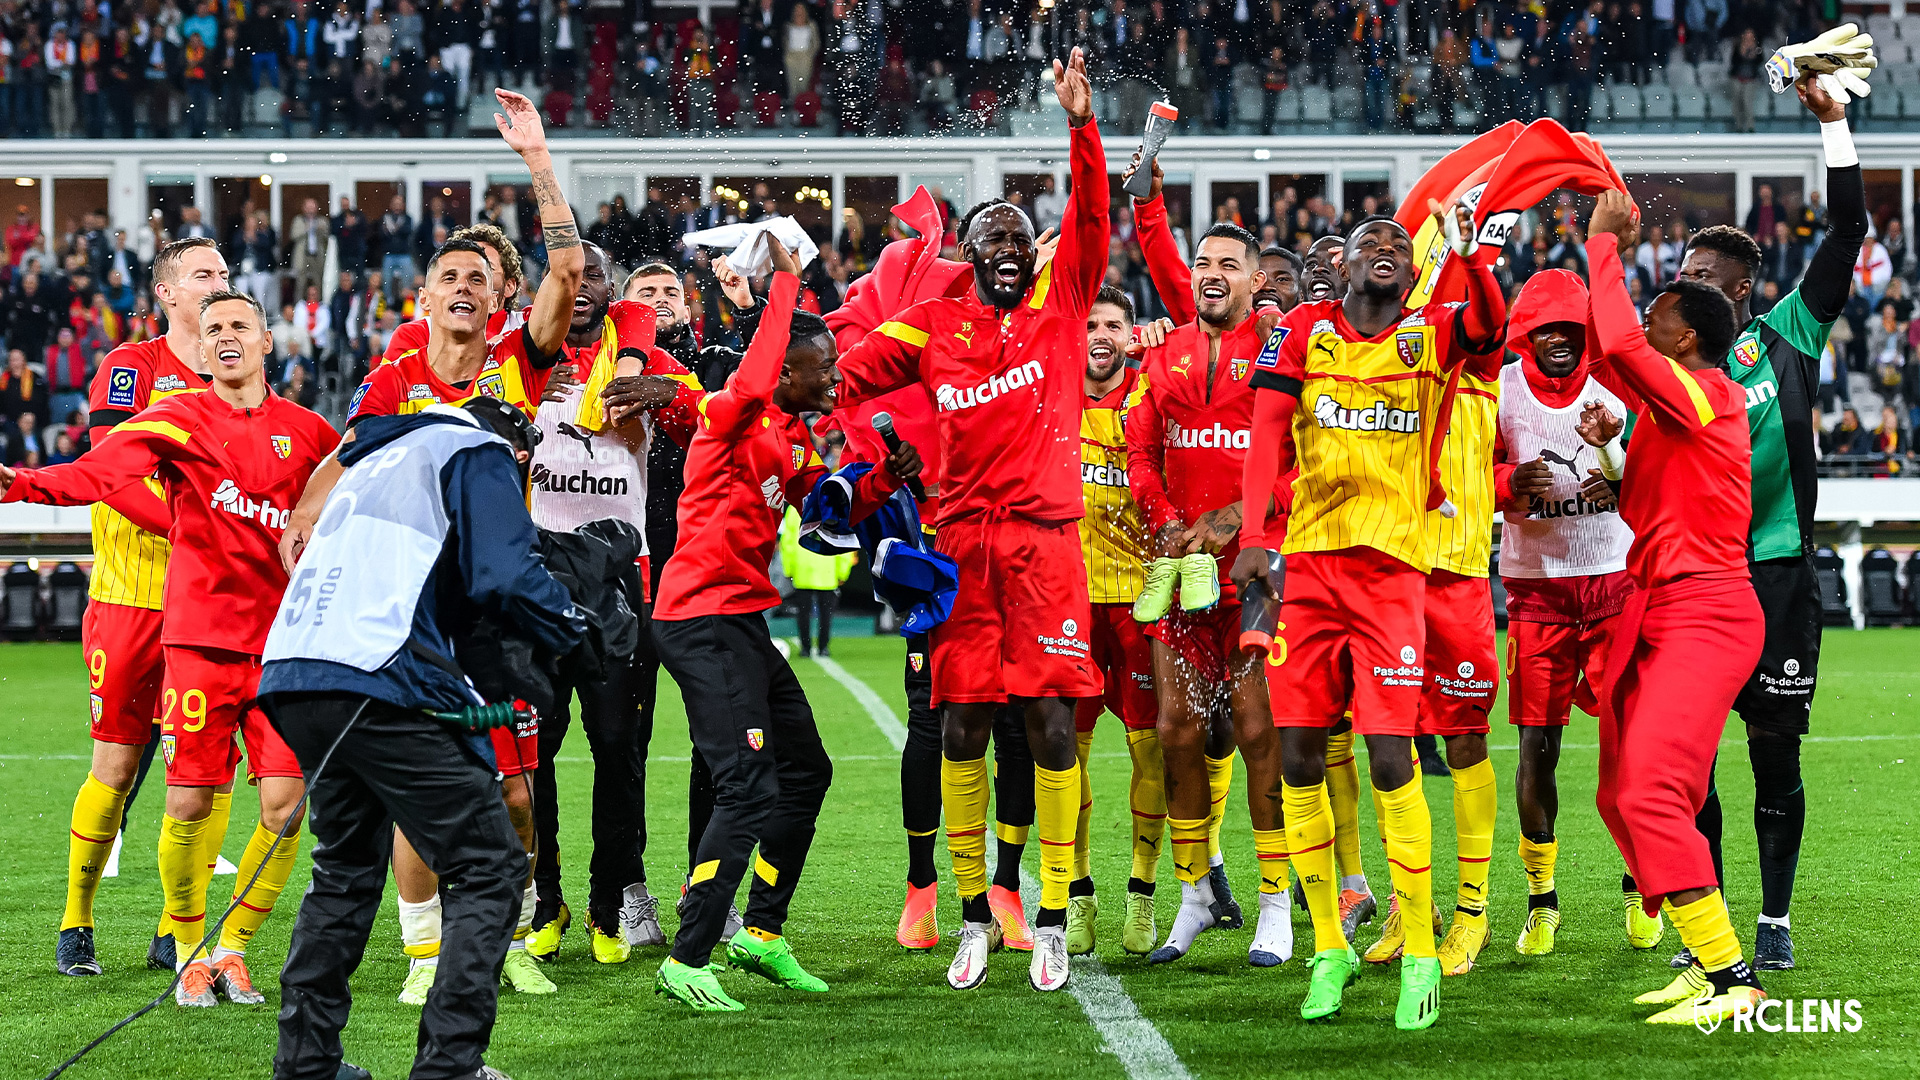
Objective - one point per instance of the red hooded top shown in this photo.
(1549, 296)
(907, 272)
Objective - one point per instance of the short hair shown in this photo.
(1278, 252)
(490, 235)
(470, 247)
(805, 327)
(1110, 294)
(1732, 243)
(1231, 231)
(646, 270)
(1709, 313)
(166, 263)
(225, 295)
(1375, 219)
(966, 222)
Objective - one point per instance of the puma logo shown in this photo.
(1548, 453)
(584, 438)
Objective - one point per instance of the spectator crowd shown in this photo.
(338, 284)
(166, 68)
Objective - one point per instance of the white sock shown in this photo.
(1357, 883)
(221, 952)
(1784, 922)
(1218, 859)
(525, 925)
(1274, 933)
(1194, 918)
(420, 925)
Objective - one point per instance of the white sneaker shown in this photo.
(1049, 969)
(969, 967)
(640, 917)
(1273, 936)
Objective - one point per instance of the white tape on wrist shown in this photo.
(1836, 143)
(1613, 459)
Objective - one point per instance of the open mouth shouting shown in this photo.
(1213, 292)
(464, 309)
(1384, 266)
(228, 355)
(1007, 271)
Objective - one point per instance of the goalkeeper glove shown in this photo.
(1838, 59)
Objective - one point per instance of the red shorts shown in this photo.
(124, 671)
(1123, 656)
(1351, 635)
(205, 701)
(1207, 640)
(1463, 668)
(1557, 632)
(516, 749)
(1021, 621)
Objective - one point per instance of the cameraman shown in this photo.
(361, 645)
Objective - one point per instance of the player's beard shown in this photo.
(1375, 289)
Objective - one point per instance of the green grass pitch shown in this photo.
(890, 1012)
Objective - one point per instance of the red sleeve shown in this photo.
(379, 394)
(122, 387)
(1662, 385)
(407, 337)
(634, 325)
(1147, 452)
(1172, 277)
(1502, 471)
(750, 392)
(679, 418)
(869, 492)
(1269, 458)
(1080, 262)
(1478, 326)
(887, 358)
(126, 456)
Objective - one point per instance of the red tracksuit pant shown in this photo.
(1681, 653)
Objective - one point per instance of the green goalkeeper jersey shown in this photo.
(1776, 359)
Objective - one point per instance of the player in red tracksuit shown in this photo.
(748, 715)
(508, 280)
(1188, 428)
(1006, 368)
(1692, 631)
(232, 460)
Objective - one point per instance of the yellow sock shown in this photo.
(1056, 796)
(1473, 812)
(1082, 854)
(184, 891)
(1706, 929)
(762, 935)
(258, 901)
(96, 821)
(1219, 785)
(1270, 847)
(1343, 790)
(1189, 848)
(963, 796)
(1538, 860)
(212, 837)
(1409, 834)
(1310, 840)
(1147, 798)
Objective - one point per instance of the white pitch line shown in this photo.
(1134, 1042)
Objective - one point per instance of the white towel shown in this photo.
(748, 257)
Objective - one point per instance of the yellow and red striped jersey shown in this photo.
(130, 563)
(1113, 534)
(1464, 542)
(1360, 433)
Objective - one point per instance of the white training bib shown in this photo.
(1561, 534)
(580, 476)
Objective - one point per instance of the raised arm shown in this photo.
(886, 359)
(1172, 277)
(1080, 262)
(1664, 387)
(1830, 271)
(553, 304)
(750, 392)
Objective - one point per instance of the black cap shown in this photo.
(505, 421)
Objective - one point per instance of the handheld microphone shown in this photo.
(883, 423)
